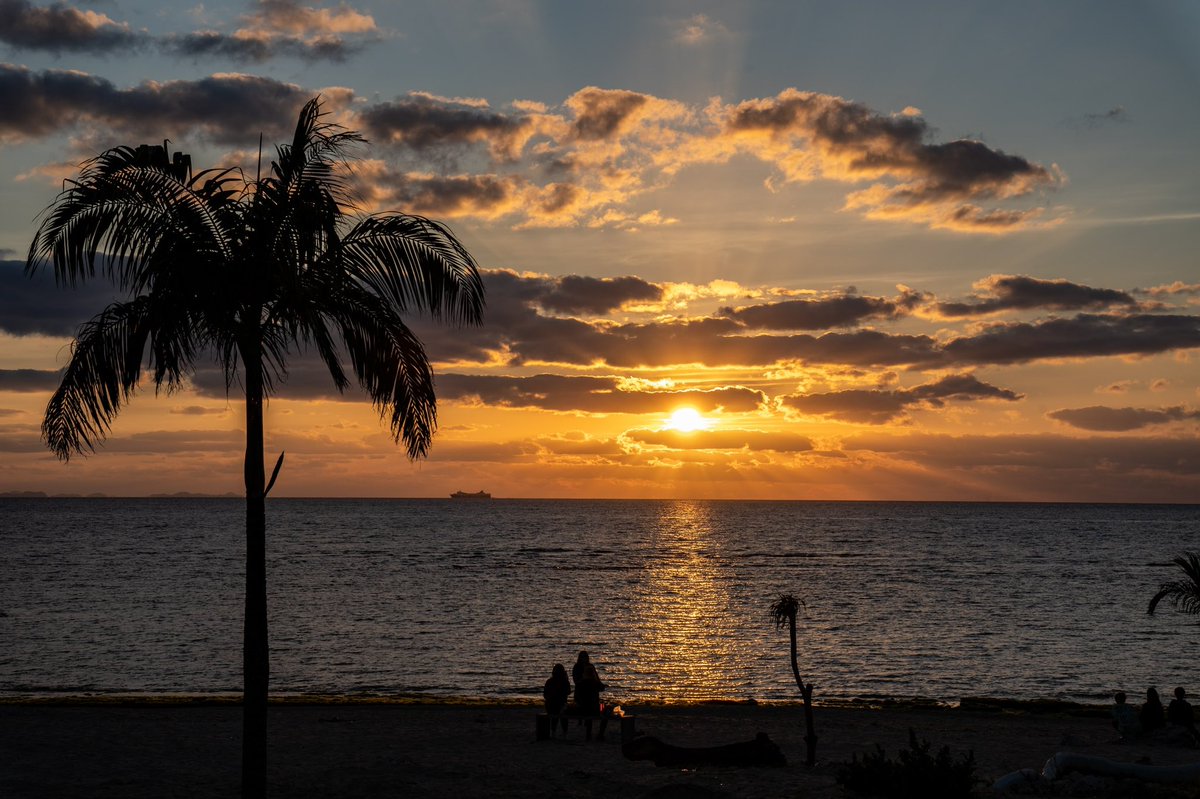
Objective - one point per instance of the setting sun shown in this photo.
(687, 420)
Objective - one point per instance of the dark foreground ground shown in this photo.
(452, 751)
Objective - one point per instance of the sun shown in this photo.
(686, 420)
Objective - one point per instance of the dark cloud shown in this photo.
(257, 49)
(577, 294)
(199, 410)
(1115, 115)
(1044, 455)
(1084, 336)
(857, 143)
(754, 440)
(30, 380)
(21, 438)
(589, 394)
(422, 121)
(602, 113)
(822, 313)
(1019, 292)
(438, 195)
(516, 332)
(876, 406)
(227, 109)
(37, 306)
(58, 28)
(1101, 418)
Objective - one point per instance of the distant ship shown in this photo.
(465, 495)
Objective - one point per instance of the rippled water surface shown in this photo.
(480, 598)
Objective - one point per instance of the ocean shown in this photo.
(478, 599)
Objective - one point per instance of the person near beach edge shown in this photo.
(555, 695)
(1124, 717)
(587, 692)
(1179, 713)
(1152, 716)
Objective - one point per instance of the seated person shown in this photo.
(1179, 713)
(555, 695)
(1151, 717)
(1124, 717)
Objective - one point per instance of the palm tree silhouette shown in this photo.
(784, 610)
(1183, 594)
(248, 272)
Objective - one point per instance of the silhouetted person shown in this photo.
(1152, 716)
(587, 692)
(1124, 717)
(1180, 712)
(555, 695)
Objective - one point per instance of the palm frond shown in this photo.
(785, 608)
(1183, 594)
(416, 263)
(103, 372)
(392, 367)
(140, 216)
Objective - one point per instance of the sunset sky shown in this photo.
(875, 250)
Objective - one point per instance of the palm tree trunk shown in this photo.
(806, 691)
(255, 653)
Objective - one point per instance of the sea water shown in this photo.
(478, 598)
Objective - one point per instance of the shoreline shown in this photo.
(977, 704)
(365, 749)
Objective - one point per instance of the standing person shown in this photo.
(587, 692)
(1180, 712)
(1152, 716)
(555, 695)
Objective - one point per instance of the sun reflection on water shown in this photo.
(684, 630)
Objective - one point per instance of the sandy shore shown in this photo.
(359, 750)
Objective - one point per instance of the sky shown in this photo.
(752, 250)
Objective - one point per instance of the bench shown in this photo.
(546, 724)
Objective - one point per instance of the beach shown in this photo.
(117, 749)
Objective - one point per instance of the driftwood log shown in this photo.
(762, 751)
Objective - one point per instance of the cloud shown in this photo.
(604, 113)
(844, 310)
(873, 406)
(1083, 336)
(1018, 292)
(274, 28)
(939, 183)
(578, 294)
(517, 332)
(589, 394)
(699, 29)
(222, 108)
(199, 410)
(256, 46)
(424, 122)
(725, 439)
(1178, 287)
(1115, 115)
(289, 16)
(58, 28)
(36, 306)
(30, 380)
(579, 163)
(1041, 456)
(1101, 418)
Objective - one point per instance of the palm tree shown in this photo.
(784, 610)
(248, 272)
(1184, 594)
